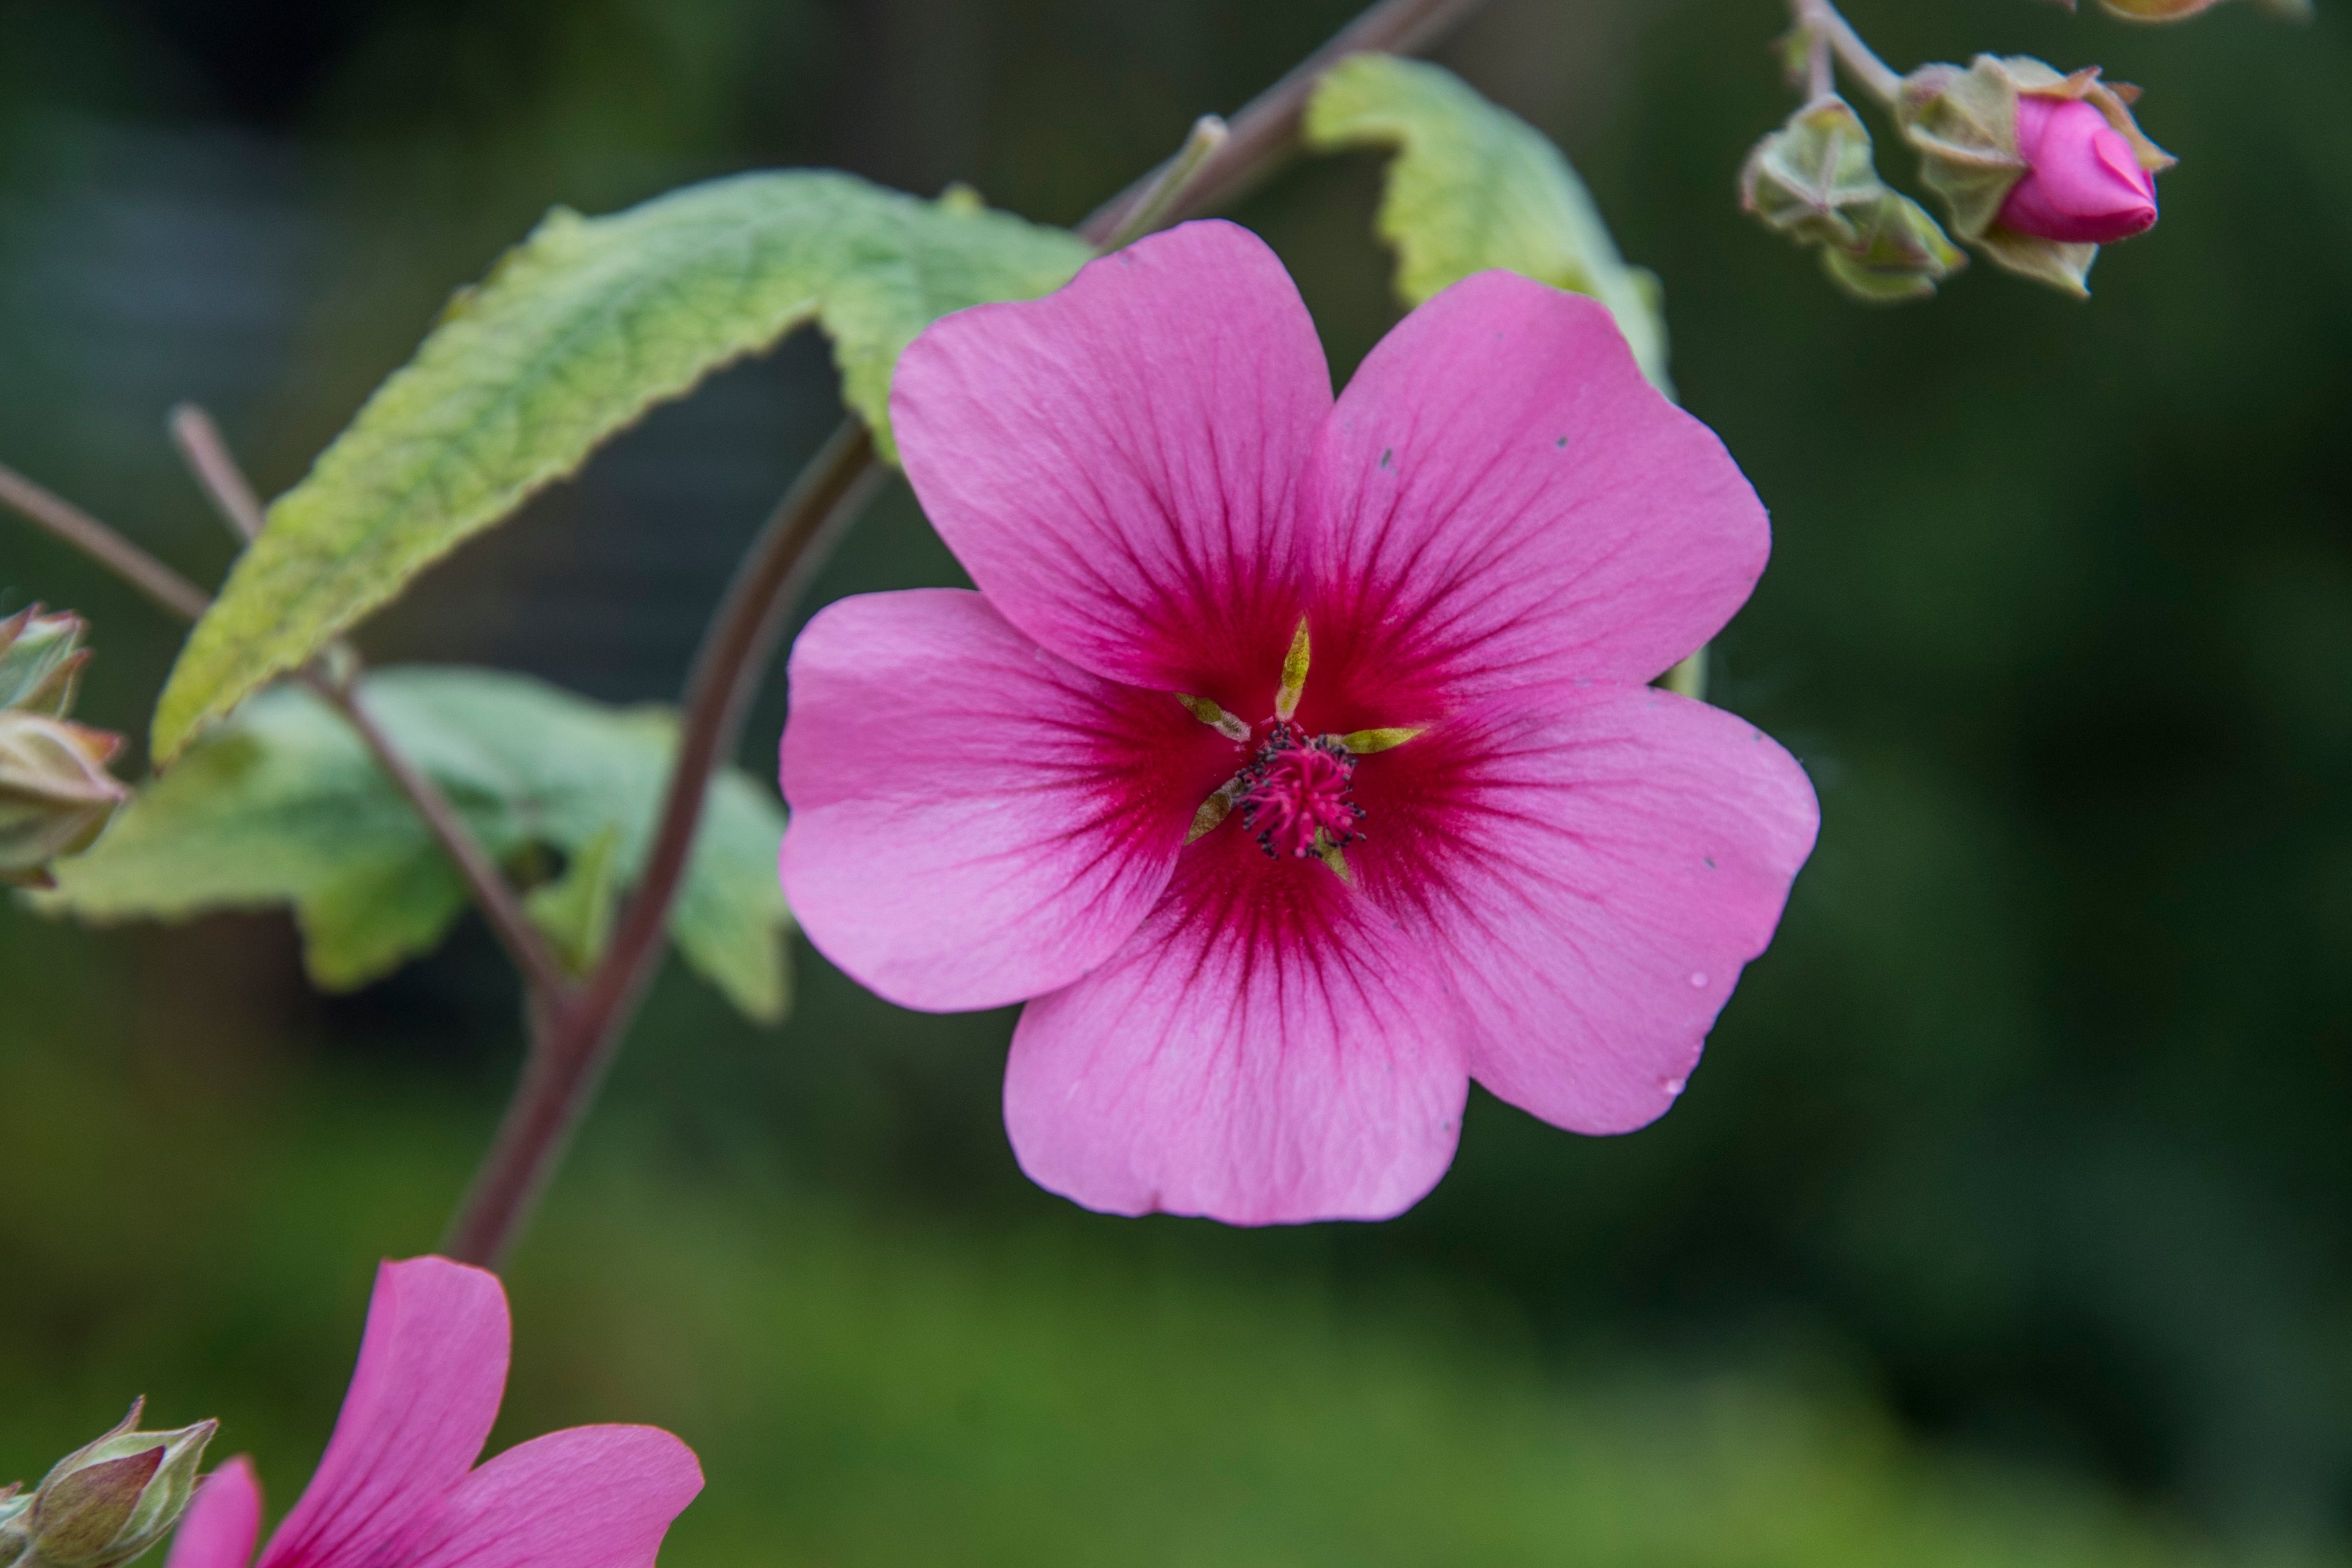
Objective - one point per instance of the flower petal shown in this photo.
(432, 1368)
(592, 1497)
(1499, 498)
(1116, 464)
(975, 821)
(1594, 873)
(1268, 1049)
(222, 1520)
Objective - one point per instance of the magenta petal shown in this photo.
(432, 1368)
(592, 1497)
(1499, 497)
(222, 1520)
(1596, 879)
(1268, 1049)
(1116, 464)
(975, 821)
(2084, 185)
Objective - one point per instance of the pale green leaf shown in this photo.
(573, 335)
(282, 805)
(575, 910)
(1472, 187)
(361, 924)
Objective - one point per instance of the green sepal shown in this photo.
(1814, 181)
(1809, 178)
(108, 1502)
(1900, 253)
(41, 660)
(56, 794)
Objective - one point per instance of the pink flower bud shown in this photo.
(2085, 184)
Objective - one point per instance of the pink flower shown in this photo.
(1491, 543)
(398, 1487)
(2085, 185)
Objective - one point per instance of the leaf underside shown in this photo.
(1471, 187)
(282, 805)
(574, 334)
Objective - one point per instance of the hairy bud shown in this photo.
(105, 1504)
(41, 658)
(55, 795)
(1813, 182)
(2002, 128)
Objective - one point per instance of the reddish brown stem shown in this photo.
(224, 483)
(576, 1042)
(64, 520)
(575, 1045)
(334, 680)
(1826, 23)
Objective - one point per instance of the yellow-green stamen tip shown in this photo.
(1294, 674)
(1333, 858)
(1213, 811)
(1364, 742)
(1215, 717)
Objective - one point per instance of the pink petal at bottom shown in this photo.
(1268, 1049)
(432, 1368)
(222, 1522)
(592, 1497)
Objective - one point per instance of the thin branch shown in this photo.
(525, 946)
(1265, 132)
(217, 473)
(1822, 19)
(66, 521)
(1821, 68)
(1168, 186)
(568, 1060)
(564, 1069)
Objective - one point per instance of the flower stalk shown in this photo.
(1826, 25)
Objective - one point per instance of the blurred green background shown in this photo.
(2006, 1219)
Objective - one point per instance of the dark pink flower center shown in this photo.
(1297, 795)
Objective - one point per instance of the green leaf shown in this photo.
(574, 334)
(575, 910)
(1474, 187)
(283, 805)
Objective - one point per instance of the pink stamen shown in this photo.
(1296, 794)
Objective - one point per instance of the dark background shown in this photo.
(2006, 1220)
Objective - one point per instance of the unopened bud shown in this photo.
(13, 1501)
(2038, 169)
(104, 1504)
(1814, 181)
(2083, 183)
(41, 657)
(55, 795)
(1901, 253)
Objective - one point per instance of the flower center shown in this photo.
(1297, 795)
